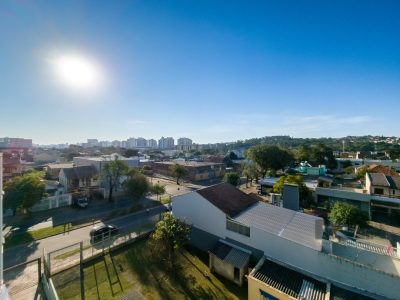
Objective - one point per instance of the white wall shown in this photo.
(196, 210)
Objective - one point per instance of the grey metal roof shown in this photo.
(295, 226)
(231, 255)
(290, 282)
(378, 179)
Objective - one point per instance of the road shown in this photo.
(19, 254)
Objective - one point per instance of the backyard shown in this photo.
(131, 273)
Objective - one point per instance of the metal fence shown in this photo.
(72, 255)
(22, 280)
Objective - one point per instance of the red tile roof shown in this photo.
(227, 198)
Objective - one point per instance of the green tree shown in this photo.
(269, 157)
(112, 172)
(303, 153)
(361, 172)
(136, 185)
(232, 178)
(304, 192)
(179, 171)
(158, 189)
(170, 235)
(22, 192)
(346, 214)
(323, 155)
(251, 171)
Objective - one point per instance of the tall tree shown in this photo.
(251, 171)
(303, 153)
(170, 235)
(136, 185)
(158, 189)
(179, 171)
(232, 178)
(22, 192)
(112, 172)
(323, 155)
(269, 157)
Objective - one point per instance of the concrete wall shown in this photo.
(220, 267)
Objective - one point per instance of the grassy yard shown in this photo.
(132, 271)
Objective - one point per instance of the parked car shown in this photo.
(81, 202)
(103, 231)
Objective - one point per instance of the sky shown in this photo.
(213, 71)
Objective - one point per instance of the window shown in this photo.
(237, 227)
(378, 191)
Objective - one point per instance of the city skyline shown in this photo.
(213, 71)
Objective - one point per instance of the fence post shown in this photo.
(39, 269)
(81, 270)
(49, 264)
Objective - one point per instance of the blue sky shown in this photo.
(210, 70)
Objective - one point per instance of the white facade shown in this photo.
(289, 250)
(166, 143)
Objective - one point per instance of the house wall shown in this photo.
(201, 213)
(194, 209)
(220, 267)
(254, 287)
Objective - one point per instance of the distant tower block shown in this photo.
(291, 198)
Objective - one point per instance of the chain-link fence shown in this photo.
(22, 280)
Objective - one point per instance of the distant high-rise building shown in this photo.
(7, 142)
(116, 144)
(131, 143)
(184, 142)
(166, 143)
(152, 143)
(92, 142)
(141, 143)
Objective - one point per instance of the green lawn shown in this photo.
(132, 270)
(29, 236)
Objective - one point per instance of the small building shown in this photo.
(269, 280)
(229, 261)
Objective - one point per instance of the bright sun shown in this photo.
(78, 73)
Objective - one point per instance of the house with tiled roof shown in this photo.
(381, 184)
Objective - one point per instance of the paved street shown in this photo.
(19, 254)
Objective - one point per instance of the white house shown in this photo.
(223, 214)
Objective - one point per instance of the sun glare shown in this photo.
(78, 73)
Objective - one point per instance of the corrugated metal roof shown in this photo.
(295, 226)
(231, 255)
(290, 282)
(237, 258)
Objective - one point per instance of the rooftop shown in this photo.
(80, 172)
(290, 282)
(227, 198)
(298, 227)
(190, 163)
(378, 179)
(230, 254)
